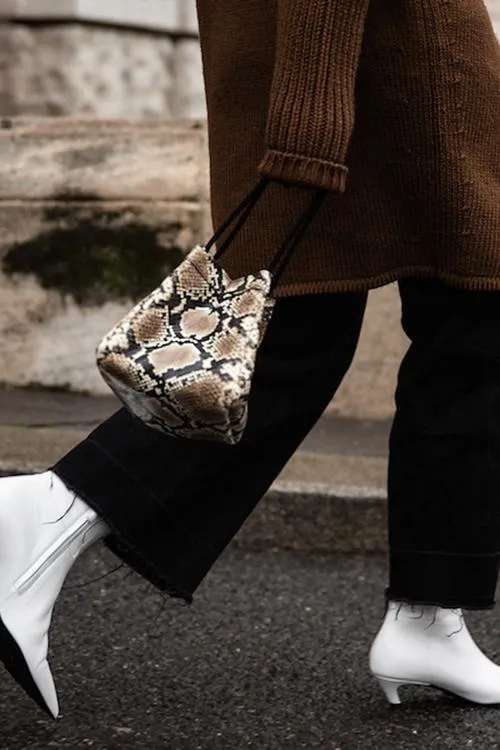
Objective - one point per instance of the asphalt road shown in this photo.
(272, 655)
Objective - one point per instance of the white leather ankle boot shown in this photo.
(427, 645)
(43, 528)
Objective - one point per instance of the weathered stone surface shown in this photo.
(72, 69)
(189, 92)
(175, 16)
(52, 310)
(188, 18)
(494, 7)
(93, 215)
(102, 159)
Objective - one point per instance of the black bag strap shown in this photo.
(280, 260)
(245, 208)
(243, 211)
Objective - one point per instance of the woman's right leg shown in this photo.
(444, 468)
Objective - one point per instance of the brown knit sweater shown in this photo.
(392, 107)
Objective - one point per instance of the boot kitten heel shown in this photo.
(390, 688)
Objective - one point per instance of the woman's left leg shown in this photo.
(444, 499)
(444, 469)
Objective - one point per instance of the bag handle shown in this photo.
(245, 208)
(280, 260)
(285, 252)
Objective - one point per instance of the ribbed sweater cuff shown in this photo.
(312, 100)
(303, 170)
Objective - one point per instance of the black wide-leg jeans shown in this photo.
(174, 505)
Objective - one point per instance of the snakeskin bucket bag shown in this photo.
(182, 360)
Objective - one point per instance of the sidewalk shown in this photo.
(273, 655)
(330, 497)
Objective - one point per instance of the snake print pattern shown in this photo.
(182, 360)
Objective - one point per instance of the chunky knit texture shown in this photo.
(392, 107)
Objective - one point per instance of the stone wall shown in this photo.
(93, 214)
(102, 70)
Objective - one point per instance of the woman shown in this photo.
(393, 108)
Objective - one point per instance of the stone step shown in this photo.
(102, 160)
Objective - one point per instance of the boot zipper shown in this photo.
(54, 551)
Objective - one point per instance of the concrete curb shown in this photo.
(318, 518)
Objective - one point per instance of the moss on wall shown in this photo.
(96, 255)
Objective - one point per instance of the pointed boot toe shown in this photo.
(43, 529)
(35, 679)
